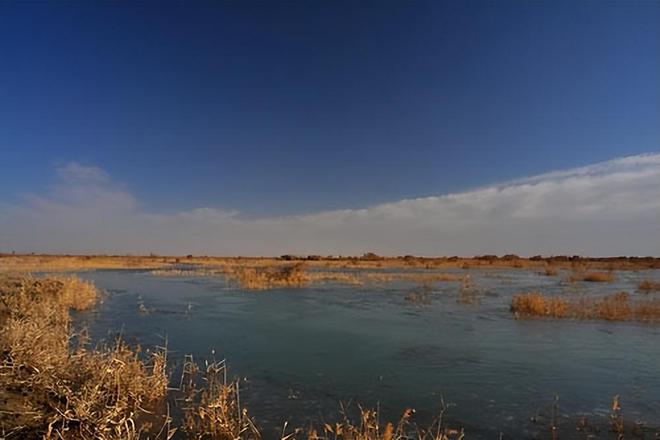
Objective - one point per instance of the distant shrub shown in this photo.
(370, 256)
(487, 258)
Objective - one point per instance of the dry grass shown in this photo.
(593, 277)
(261, 278)
(27, 263)
(649, 286)
(54, 389)
(214, 410)
(535, 304)
(75, 293)
(617, 307)
(56, 263)
(370, 427)
(298, 275)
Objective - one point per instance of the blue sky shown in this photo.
(258, 116)
(292, 107)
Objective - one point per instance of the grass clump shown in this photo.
(261, 278)
(593, 277)
(75, 293)
(536, 304)
(617, 307)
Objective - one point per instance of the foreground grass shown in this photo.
(617, 307)
(53, 387)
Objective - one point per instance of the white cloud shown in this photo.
(609, 208)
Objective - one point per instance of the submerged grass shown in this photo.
(617, 307)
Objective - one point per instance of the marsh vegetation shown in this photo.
(617, 307)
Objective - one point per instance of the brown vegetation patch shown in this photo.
(51, 390)
(649, 286)
(617, 307)
(298, 275)
(260, 278)
(593, 277)
(23, 263)
(535, 304)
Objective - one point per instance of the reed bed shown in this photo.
(616, 307)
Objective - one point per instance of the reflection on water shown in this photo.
(302, 351)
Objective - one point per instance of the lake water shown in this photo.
(300, 352)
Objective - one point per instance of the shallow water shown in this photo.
(302, 351)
